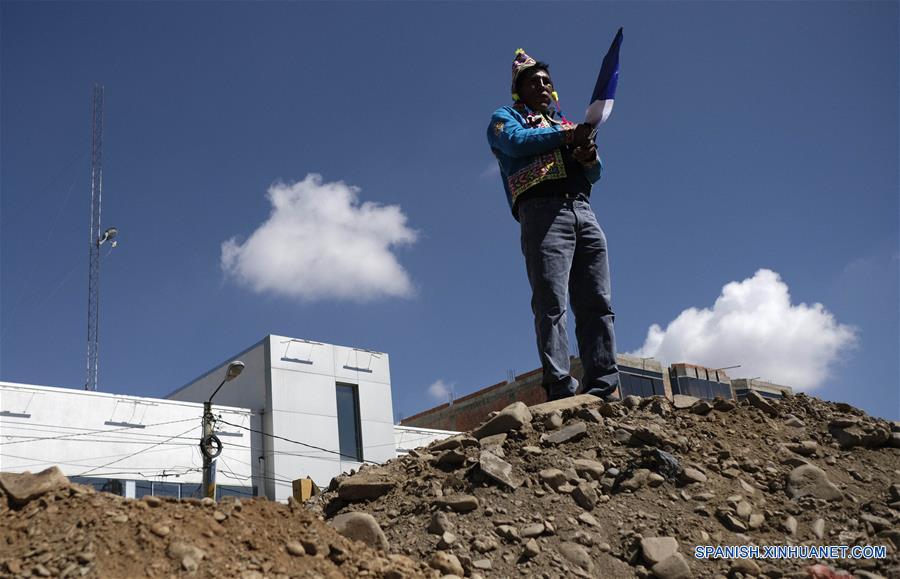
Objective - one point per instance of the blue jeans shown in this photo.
(566, 259)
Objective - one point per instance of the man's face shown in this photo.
(535, 89)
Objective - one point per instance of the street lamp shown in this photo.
(210, 445)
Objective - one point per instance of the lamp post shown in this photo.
(210, 445)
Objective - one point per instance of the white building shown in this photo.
(299, 409)
(124, 444)
(317, 409)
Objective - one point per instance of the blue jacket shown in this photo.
(531, 149)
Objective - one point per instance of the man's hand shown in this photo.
(585, 154)
(584, 135)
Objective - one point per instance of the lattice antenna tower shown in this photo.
(95, 240)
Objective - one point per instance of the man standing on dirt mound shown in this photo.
(548, 165)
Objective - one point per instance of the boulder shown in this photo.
(360, 527)
(364, 488)
(811, 481)
(22, 488)
(656, 549)
(498, 469)
(570, 433)
(512, 417)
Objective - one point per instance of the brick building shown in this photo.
(640, 376)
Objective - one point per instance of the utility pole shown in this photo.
(95, 240)
(210, 445)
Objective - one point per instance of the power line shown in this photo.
(96, 431)
(138, 452)
(347, 456)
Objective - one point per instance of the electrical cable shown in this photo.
(136, 453)
(102, 431)
(347, 456)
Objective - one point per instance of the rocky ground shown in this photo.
(50, 528)
(584, 488)
(577, 487)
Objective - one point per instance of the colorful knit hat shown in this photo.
(521, 62)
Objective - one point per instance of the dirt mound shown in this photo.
(580, 487)
(50, 528)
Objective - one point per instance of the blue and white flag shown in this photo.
(605, 89)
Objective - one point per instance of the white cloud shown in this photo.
(491, 171)
(319, 242)
(440, 390)
(754, 324)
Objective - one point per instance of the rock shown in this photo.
(589, 519)
(659, 406)
(439, 524)
(692, 475)
(790, 525)
(458, 503)
(756, 520)
(650, 435)
(878, 523)
(219, 516)
(590, 415)
(553, 421)
(447, 541)
(701, 407)
(655, 480)
(588, 468)
(360, 527)
(585, 496)
(631, 401)
(21, 488)
(513, 417)
(188, 555)
(532, 449)
(758, 401)
(577, 555)
(152, 501)
(159, 529)
(744, 509)
(811, 481)
(656, 549)
(492, 441)
(483, 564)
(451, 458)
(683, 401)
(732, 522)
(563, 404)
(446, 563)
(553, 477)
(818, 528)
(532, 549)
(793, 421)
(498, 469)
(571, 433)
(724, 405)
(673, 567)
(295, 548)
(637, 479)
(456, 441)
(532, 530)
(364, 488)
(746, 566)
(850, 433)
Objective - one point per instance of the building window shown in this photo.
(349, 434)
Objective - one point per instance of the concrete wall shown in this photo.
(291, 385)
(407, 438)
(131, 438)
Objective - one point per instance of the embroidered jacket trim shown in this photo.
(543, 168)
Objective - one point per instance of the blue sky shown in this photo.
(751, 174)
